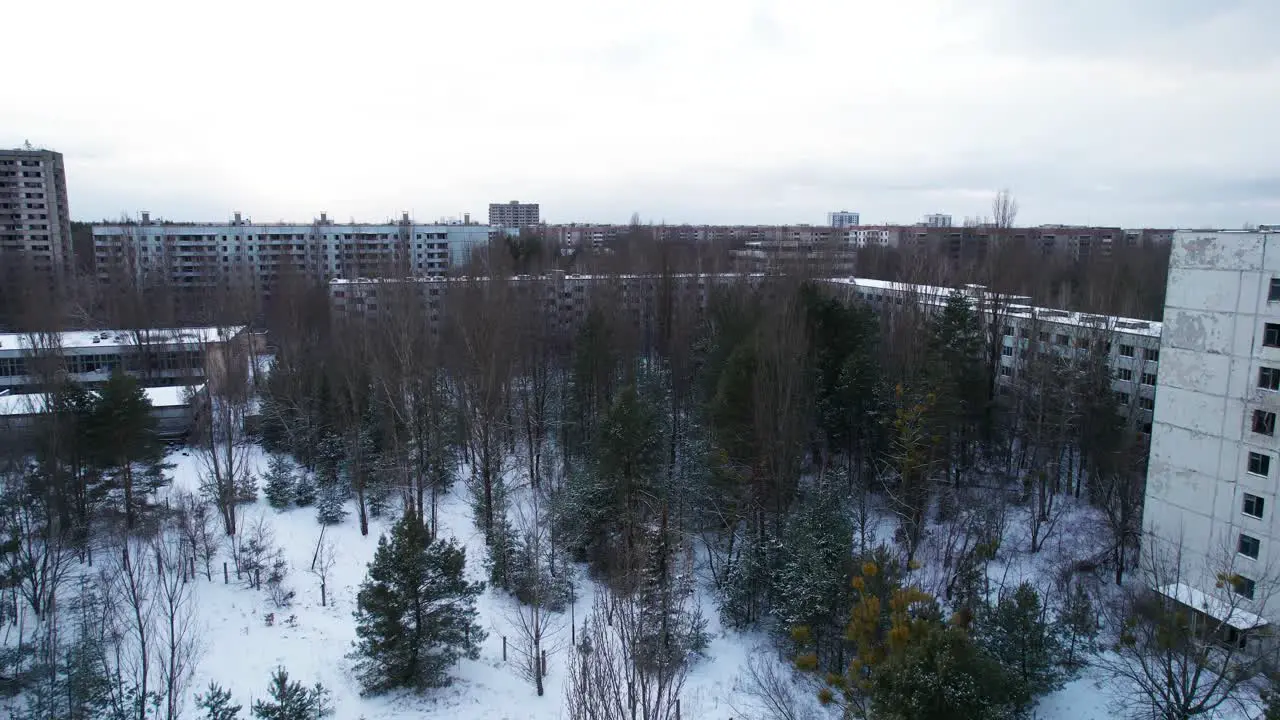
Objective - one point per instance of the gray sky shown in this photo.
(1129, 112)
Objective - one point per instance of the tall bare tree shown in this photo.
(221, 441)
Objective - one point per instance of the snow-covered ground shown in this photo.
(240, 648)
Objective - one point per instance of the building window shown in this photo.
(1008, 331)
(1006, 351)
(1271, 335)
(1148, 378)
(1006, 371)
(1153, 354)
(1124, 373)
(1264, 422)
(1024, 333)
(1122, 398)
(1061, 339)
(1253, 506)
(1242, 586)
(1273, 294)
(1147, 403)
(1269, 378)
(1126, 351)
(1259, 464)
(1248, 546)
(1044, 337)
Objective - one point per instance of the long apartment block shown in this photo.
(213, 254)
(1132, 346)
(35, 223)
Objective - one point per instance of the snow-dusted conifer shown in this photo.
(415, 613)
(304, 490)
(215, 704)
(292, 701)
(280, 486)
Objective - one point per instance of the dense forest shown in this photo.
(844, 480)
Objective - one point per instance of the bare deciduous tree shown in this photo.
(322, 563)
(1004, 209)
(1191, 641)
(221, 442)
(769, 688)
(607, 678)
(177, 642)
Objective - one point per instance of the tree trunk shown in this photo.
(126, 475)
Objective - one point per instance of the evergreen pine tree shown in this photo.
(280, 486)
(331, 502)
(670, 629)
(216, 704)
(292, 701)
(122, 433)
(415, 612)
(811, 584)
(1079, 626)
(1018, 635)
(943, 674)
(304, 490)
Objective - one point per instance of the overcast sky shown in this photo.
(1117, 112)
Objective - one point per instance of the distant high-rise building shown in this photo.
(35, 224)
(937, 220)
(202, 255)
(842, 219)
(513, 214)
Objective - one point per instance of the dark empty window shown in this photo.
(1006, 351)
(1122, 398)
(1273, 294)
(1264, 422)
(1253, 505)
(1242, 586)
(1147, 403)
(1148, 378)
(1126, 351)
(1248, 546)
(1259, 464)
(1124, 373)
(1269, 378)
(1153, 354)
(1271, 335)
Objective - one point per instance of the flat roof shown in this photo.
(119, 338)
(1216, 608)
(160, 397)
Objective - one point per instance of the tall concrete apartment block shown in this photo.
(1215, 456)
(35, 224)
(843, 219)
(514, 214)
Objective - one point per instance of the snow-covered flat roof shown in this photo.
(160, 397)
(1216, 608)
(121, 338)
(1017, 307)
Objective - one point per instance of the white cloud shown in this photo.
(710, 111)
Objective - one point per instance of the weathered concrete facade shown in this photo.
(1211, 480)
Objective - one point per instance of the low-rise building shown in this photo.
(176, 356)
